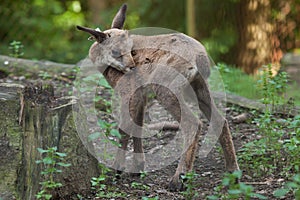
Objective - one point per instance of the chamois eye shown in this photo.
(116, 54)
(133, 52)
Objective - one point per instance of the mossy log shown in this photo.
(31, 117)
(286, 109)
(25, 67)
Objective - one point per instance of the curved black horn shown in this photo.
(119, 19)
(99, 36)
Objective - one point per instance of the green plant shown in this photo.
(293, 186)
(79, 196)
(292, 145)
(189, 180)
(44, 75)
(16, 48)
(230, 189)
(278, 141)
(264, 155)
(143, 175)
(109, 130)
(50, 161)
(273, 87)
(100, 186)
(141, 186)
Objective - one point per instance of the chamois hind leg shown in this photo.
(179, 110)
(208, 107)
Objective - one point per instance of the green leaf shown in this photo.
(64, 164)
(115, 143)
(57, 185)
(225, 181)
(292, 185)
(48, 161)
(280, 192)
(213, 197)
(104, 83)
(297, 178)
(48, 196)
(234, 192)
(42, 150)
(53, 149)
(94, 136)
(37, 162)
(115, 132)
(237, 174)
(44, 172)
(259, 196)
(61, 154)
(103, 124)
(101, 179)
(247, 188)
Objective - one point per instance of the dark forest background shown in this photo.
(243, 33)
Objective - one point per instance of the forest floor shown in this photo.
(210, 170)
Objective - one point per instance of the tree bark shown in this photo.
(95, 7)
(255, 30)
(190, 16)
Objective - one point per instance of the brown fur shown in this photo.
(153, 59)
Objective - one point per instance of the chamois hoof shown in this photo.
(176, 184)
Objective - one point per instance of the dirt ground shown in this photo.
(210, 170)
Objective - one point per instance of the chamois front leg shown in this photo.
(120, 159)
(131, 123)
(137, 106)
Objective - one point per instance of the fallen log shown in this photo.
(256, 105)
(19, 66)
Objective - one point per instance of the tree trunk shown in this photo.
(190, 16)
(255, 30)
(95, 7)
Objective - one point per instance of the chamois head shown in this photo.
(113, 46)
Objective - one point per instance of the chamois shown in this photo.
(165, 64)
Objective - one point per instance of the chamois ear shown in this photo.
(99, 36)
(119, 19)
